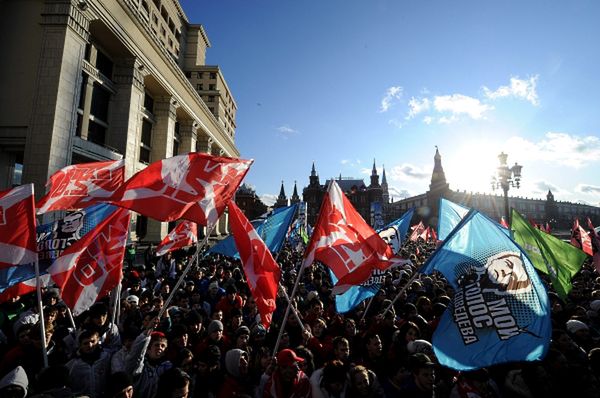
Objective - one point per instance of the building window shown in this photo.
(145, 6)
(199, 87)
(213, 75)
(188, 75)
(211, 98)
(200, 75)
(146, 142)
(212, 87)
(148, 102)
(104, 65)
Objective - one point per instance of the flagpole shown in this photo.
(287, 310)
(415, 275)
(116, 300)
(209, 231)
(41, 311)
(70, 314)
(367, 309)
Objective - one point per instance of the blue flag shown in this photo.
(450, 215)
(272, 230)
(53, 238)
(500, 311)
(394, 234)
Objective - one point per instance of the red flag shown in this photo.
(431, 235)
(575, 239)
(503, 222)
(184, 234)
(88, 269)
(595, 238)
(343, 241)
(548, 228)
(418, 231)
(17, 227)
(586, 241)
(262, 272)
(82, 185)
(22, 288)
(195, 186)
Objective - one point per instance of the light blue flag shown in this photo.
(394, 234)
(450, 215)
(272, 230)
(500, 311)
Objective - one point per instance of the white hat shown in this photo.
(422, 346)
(573, 326)
(133, 299)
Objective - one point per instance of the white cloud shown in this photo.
(407, 172)
(392, 93)
(518, 88)
(427, 120)
(589, 189)
(286, 131)
(558, 148)
(447, 119)
(395, 122)
(542, 187)
(268, 199)
(416, 106)
(459, 104)
(345, 161)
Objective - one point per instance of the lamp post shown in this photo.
(505, 178)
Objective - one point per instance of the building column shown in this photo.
(163, 135)
(188, 131)
(48, 145)
(204, 143)
(125, 118)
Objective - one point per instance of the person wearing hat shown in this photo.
(242, 338)
(214, 337)
(236, 381)
(120, 386)
(145, 362)
(288, 381)
(14, 384)
(421, 382)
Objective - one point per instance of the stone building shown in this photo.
(249, 202)
(93, 80)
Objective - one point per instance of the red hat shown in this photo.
(288, 357)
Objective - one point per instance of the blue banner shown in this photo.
(395, 233)
(500, 310)
(53, 238)
(272, 230)
(450, 216)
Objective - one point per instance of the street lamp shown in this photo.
(505, 178)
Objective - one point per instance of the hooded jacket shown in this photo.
(16, 377)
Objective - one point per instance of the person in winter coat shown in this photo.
(145, 363)
(288, 381)
(14, 384)
(89, 370)
(236, 382)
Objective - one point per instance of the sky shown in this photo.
(344, 82)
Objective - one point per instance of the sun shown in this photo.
(471, 166)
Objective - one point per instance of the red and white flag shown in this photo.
(195, 186)
(91, 267)
(575, 239)
(262, 272)
(82, 185)
(17, 227)
(418, 231)
(430, 235)
(503, 222)
(22, 288)
(343, 241)
(595, 238)
(581, 239)
(184, 234)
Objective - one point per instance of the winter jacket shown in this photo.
(16, 377)
(145, 374)
(87, 377)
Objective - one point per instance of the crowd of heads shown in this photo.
(211, 342)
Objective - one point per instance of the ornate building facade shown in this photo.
(249, 202)
(94, 80)
(360, 195)
(559, 214)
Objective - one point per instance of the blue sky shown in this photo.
(340, 82)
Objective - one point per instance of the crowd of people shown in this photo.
(211, 342)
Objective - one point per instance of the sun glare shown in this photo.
(471, 167)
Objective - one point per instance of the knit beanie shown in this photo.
(214, 325)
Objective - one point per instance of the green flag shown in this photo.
(550, 255)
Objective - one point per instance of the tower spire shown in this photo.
(374, 171)
(281, 199)
(295, 198)
(313, 172)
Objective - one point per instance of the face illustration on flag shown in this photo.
(262, 272)
(394, 233)
(195, 186)
(183, 235)
(88, 269)
(500, 310)
(344, 242)
(82, 185)
(17, 227)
